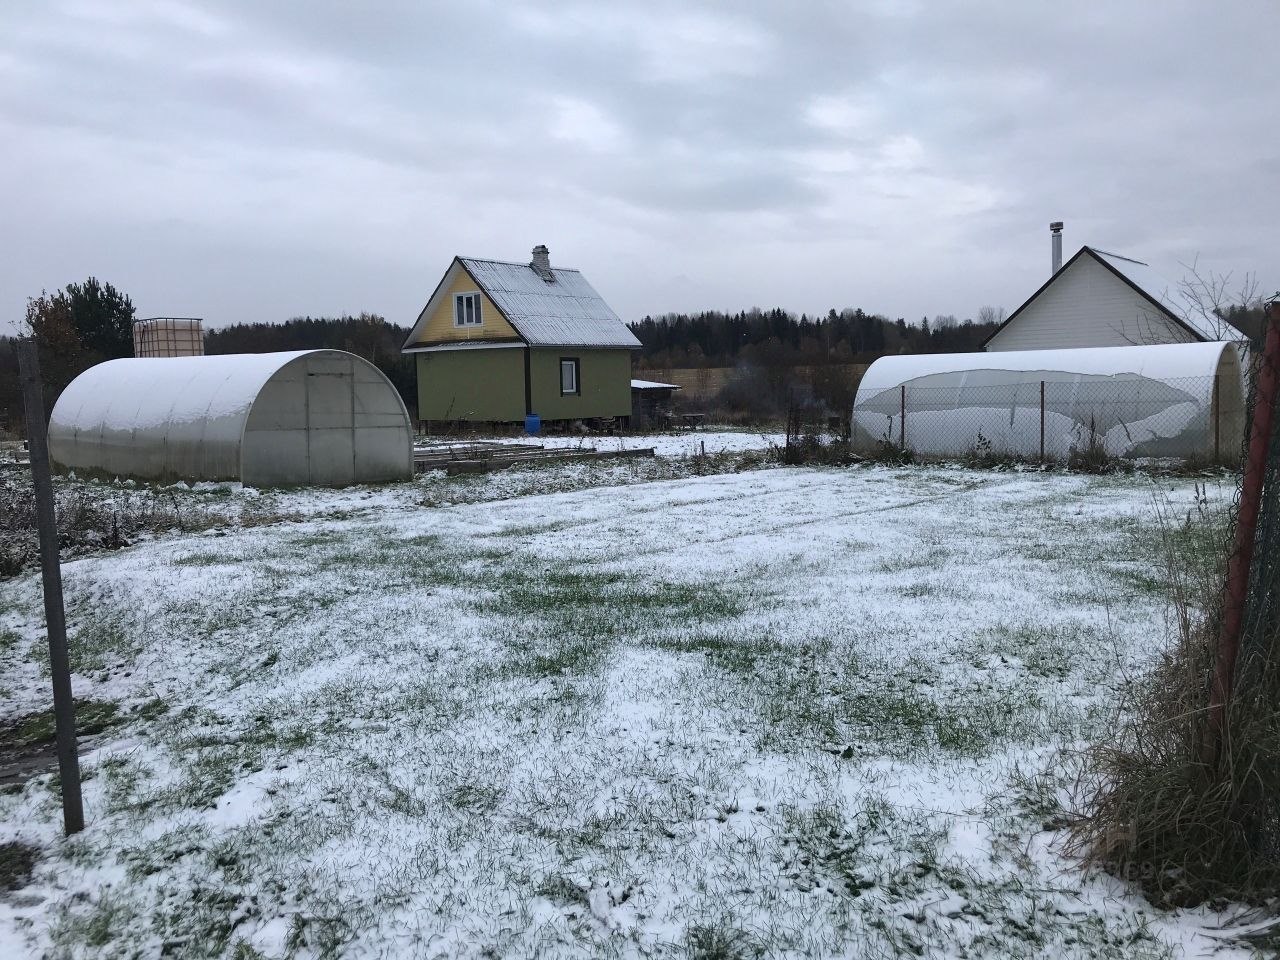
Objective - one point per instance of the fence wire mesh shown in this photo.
(1187, 418)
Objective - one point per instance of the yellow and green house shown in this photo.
(498, 341)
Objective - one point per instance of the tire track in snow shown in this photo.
(797, 524)
(674, 514)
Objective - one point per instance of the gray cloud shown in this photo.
(255, 161)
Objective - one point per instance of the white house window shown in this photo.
(466, 310)
(569, 376)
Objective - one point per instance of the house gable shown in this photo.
(436, 324)
(1088, 303)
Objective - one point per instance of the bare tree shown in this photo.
(1208, 299)
(1203, 300)
(991, 315)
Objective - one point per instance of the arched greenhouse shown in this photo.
(317, 417)
(1168, 400)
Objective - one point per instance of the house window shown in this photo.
(466, 310)
(569, 383)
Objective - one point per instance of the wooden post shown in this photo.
(64, 708)
(902, 425)
(1236, 588)
(1042, 421)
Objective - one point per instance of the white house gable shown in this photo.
(1087, 305)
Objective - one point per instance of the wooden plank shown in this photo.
(624, 454)
(434, 463)
(458, 449)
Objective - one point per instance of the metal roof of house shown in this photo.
(563, 312)
(1167, 296)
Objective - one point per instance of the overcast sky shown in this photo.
(245, 161)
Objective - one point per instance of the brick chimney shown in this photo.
(541, 263)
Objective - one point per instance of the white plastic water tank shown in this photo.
(168, 337)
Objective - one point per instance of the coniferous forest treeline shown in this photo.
(779, 338)
(710, 338)
(367, 335)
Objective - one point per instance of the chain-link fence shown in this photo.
(1187, 418)
(1261, 631)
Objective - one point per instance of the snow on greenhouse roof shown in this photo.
(564, 311)
(1165, 361)
(135, 393)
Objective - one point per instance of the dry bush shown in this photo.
(1157, 809)
(815, 437)
(92, 518)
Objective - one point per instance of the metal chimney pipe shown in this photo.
(1055, 233)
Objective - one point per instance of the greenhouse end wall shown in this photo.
(1050, 404)
(328, 419)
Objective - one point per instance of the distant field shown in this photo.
(782, 712)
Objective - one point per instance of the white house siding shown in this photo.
(1087, 306)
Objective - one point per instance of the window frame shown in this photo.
(471, 296)
(577, 377)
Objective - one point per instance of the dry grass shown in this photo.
(93, 517)
(1156, 811)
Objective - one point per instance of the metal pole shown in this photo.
(902, 425)
(64, 708)
(1042, 421)
(1217, 420)
(1237, 583)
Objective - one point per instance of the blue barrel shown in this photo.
(532, 424)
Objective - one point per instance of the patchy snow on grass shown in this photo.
(786, 712)
(674, 443)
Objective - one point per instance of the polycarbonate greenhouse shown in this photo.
(1168, 400)
(314, 417)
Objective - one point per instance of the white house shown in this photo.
(1100, 299)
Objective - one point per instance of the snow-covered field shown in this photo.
(786, 712)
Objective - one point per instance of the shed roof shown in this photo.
(653, 385)
(565, 311)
